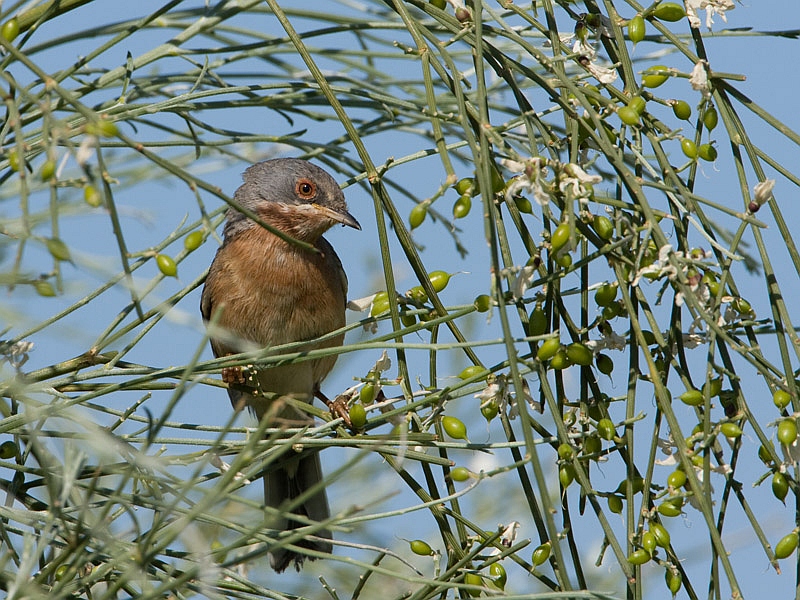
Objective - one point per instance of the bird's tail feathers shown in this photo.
(282, 487)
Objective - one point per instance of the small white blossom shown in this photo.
(523, 281)
(588, 55)
(86, 150)
(533, 169)
(763, 191)
(693, 340)
(17, 353)
(711, 7)
(583, 48)
(224, 467)
(659, 267)
(602, 74)
(699, 78)
(608, 341)
(361, 304)
(574, 179)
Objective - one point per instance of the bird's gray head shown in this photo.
(291, 194)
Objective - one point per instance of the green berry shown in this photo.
(787, 431)
(91, 196)
(482, 303)
(786, 546)
(490, 410)
(603, 227)
(13, 160)
(560, 360)
(628, 115)
(471, 371)
(710, 118)
(440, 4)
(498, 573)
(417, 215)
(193, 240)
(639, 557)
(668, 509)
(673, 579)
(548, 349)
(649, 542)
(781, 399)
(358, 416)
(655, 76)
(462, 207)
(660, 534)
(8, 449)
(422, 548)
(615, 504)
(166, 264)
(44, 288)
(606, 429)
(460, 474)
(707, 152)
(676, 479)
(689, 148)
(606, 294)
(523, 205)
(604, 363)
(10, 29)
(367, 393)
(465, 186)
(454, 427)
(439, 280)
(681, 109)
(537, 322)
(780, 486)
(669, 11)
(48, 170)
(637, 29)
(730, 430)
(638, 104)
(692, 397)
(566, 451)
(58, 249)
(566, 475)
(541, 554)
(560, 237)
(579, 354)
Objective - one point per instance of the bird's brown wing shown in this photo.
(218, 348)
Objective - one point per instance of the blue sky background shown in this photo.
(152, 209)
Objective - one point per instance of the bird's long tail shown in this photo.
(282, 486)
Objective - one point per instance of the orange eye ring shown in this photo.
(305, 189)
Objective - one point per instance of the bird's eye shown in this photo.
(306, 189)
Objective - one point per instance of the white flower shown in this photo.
(602, 74)
(659, 267)
(361, 304)
(609, 341)
(224, 467)
(523, 281)
(588, 55)
(699, 78)
(763, 191)
(529, 181)
(693, 340)
(583, 48)
(711, 7)
(574, 179)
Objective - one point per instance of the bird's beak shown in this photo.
(343, 217)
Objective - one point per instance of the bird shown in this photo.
(263, 291)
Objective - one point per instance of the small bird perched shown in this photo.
(264, 291)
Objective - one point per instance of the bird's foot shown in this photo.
(234, 375)
(337, 407)
(243, 379)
